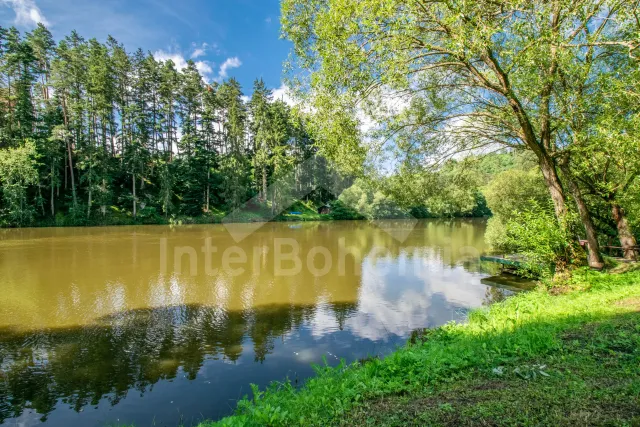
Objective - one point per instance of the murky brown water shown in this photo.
(157, 325)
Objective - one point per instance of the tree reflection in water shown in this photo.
(133, 350)
(86, 318)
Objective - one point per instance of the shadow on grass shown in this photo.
(592, 378)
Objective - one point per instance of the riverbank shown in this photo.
(299, 211)
(538, 358)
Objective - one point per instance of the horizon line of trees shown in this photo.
(89, 130)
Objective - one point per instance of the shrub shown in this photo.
(544, 243)
(370, 203)
(420, 212)
(18, 171)
(516, 191)
(340, 211)
(496, 235)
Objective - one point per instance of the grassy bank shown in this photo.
(536, 358)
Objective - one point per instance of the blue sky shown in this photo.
(234, 38)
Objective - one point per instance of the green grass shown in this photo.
(591, 379)
(534, 359)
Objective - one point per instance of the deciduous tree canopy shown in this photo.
(538, 76)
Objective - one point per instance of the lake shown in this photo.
(154, 325)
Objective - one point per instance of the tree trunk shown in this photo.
(89, 201)
(264, 183)
(133, 181)
(40, 199)
(53, 209)
(103, 208)
(208, 186)
(66, 174)
(627, 240)
(73, 181)
(112, 135)
(550, 174)
(594, 257)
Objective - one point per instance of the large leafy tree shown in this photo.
(605, 159)
(234, 162)
(472, 73)
(19, 68)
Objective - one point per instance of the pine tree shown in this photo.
(234, 164)
(102, 127)
(260, 131)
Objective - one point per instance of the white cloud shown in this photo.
(434, 291)
(199, 51)
(283, 93)
(204, 67)
(268, 20)
(28, 14)
(228, 64)
(177, 58)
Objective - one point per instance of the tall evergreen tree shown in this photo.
(102, 127)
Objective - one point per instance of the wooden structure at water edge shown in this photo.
(511, 262)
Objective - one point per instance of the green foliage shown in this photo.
(509, 334)
(535, 235)
(341, 211)
(112, 128)
(18, 170)
(370, 203)
(431, 81)
(420, 212)
(452, 190)
(496, 235)
(516, 190)
(524, 223)
(630, 200)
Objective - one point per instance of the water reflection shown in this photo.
(93, 329)
(134, 350)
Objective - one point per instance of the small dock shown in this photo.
(509, 282)
(509, 261)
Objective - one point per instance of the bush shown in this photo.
(340, 211)
(420, 212)
(544, 243)
(369, 203)
(496, 235)
(18, 170)
(384, 207)
(516, 191)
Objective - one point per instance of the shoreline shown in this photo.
(189, 221)
(532, 344)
